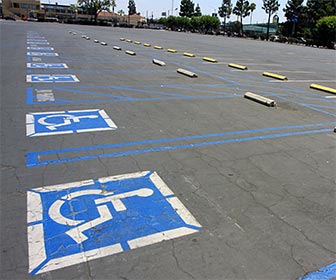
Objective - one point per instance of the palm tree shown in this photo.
(253, 6)
(241, 10)
(113, 5)
(270, 7)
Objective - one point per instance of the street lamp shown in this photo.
(172, 13)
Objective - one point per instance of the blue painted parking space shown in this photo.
(327, 272)
(89, 94)
(65, 122)
(47, 65)
(51, 78)
(42, 54)
(38, 42)
(91, 219)
(37, 158)
(40, 48)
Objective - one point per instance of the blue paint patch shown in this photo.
(34, 158)
(87, 96)
(40, 48)
(325, 273)
(37, 43)
(42, 54)
(51, 78)
(80, 221)
(64, 122)
(47, 65)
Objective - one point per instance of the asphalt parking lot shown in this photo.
(116, 168)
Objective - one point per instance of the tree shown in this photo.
(94, 7)
(253, 6)
(131, 7)
(270, 7)
(113, 5)
(325, 31)
(294, 13)
(198, 12)
(121, 12)
(242, 9)
(209, 23)
(183, 23)
(225, 10)
(195, 23)
(187, 8)
(317, 9)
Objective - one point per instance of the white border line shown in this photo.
(34, 215)
(30, 123)
(35, 233)
(159, 237)
(81, 257)
(36, 248)
(29, 65)
(40, 48)
(45, 54)
(29, 78)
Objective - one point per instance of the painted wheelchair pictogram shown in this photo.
(80, 221)
(64, 122)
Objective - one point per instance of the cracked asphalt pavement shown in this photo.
(260, 180)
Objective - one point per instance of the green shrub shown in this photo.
(326, 31)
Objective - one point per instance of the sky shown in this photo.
(156, 7)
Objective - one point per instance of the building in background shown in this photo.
(20, 8)
(23, 9)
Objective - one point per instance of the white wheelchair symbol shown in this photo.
(80, 226)
(50, 78)
(67, 118)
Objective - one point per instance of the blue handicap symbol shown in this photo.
(40, 48)
(40, 78)
(42, 54)
(48, 65)
(38, 43)
(102, 217)
(68, 122)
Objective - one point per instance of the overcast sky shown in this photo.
(207, 7)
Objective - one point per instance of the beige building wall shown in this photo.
(20, 8)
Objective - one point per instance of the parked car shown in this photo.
(275, 38)
(9, 18)
(301, 40)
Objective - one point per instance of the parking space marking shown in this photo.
(40, 48)
(65, 122)
(327, 272)
(37, 43)
(42, 54)
(51, 78)
(45, 95)
(36, 158)
(47, 65)
(81, 221)
(303, 81)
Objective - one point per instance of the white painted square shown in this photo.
(47, 65)
(67, 122)
(76, 222)
(51, 78)
(42, 54)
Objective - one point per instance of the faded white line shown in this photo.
(158, 237)
(81, 257)
(302, 81)
(270, 70)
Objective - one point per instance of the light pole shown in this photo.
(172, 13)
